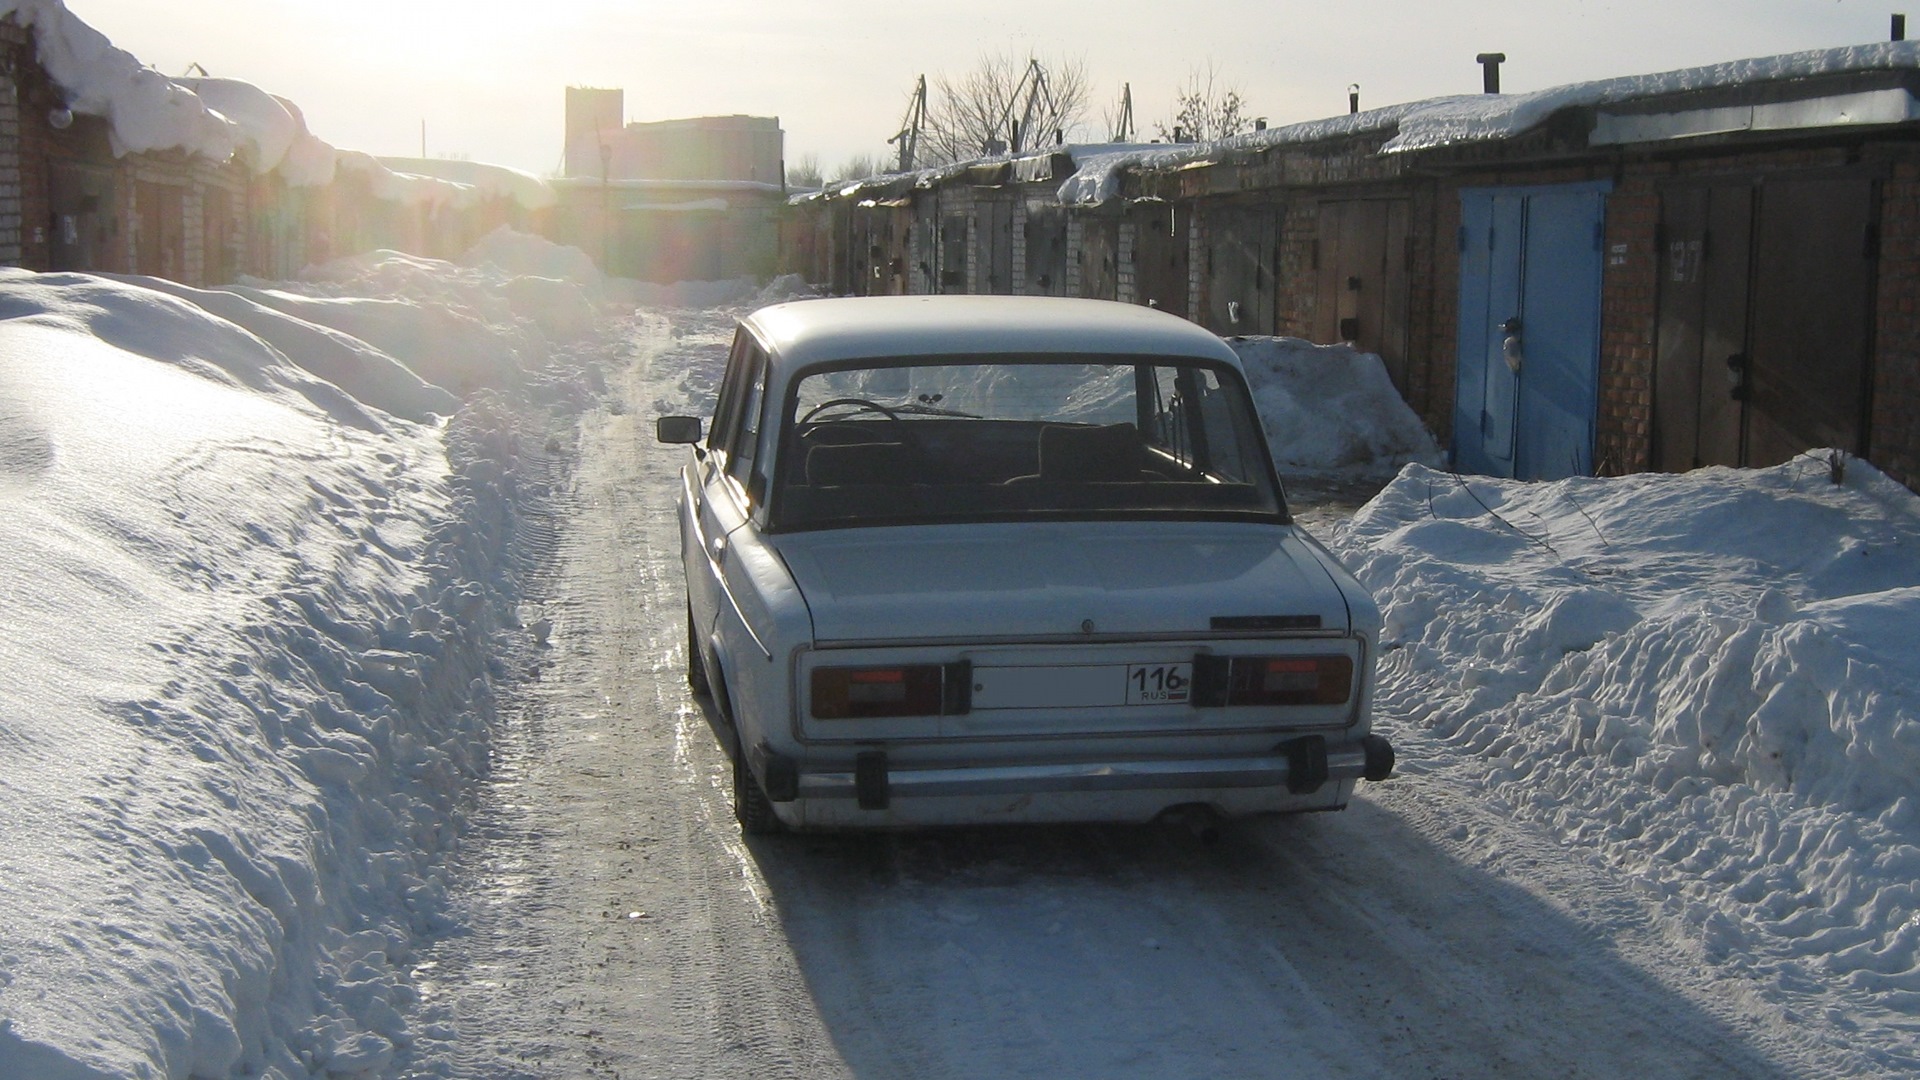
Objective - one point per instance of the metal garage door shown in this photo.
(1765, 321)
(1529, 331)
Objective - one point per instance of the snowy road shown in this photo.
(619, 925)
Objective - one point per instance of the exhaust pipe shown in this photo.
(1202, 820)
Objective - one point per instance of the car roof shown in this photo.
(849, 328)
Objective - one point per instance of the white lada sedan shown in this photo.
(973, 559)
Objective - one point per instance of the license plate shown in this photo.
(1091, 686)
(1159, 684)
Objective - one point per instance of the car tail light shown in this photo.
(1272, 680)
(845, 693)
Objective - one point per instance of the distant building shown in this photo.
(672, 200)
(702, 148)
(594, 119)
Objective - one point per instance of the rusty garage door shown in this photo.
(1160, 258)
(1765, 318)
(1046, 250)
(160, 230)
(993, 230)
(1363, 285)
(1243, 253)
(1099, 250)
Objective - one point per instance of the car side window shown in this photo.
(1169, 416)
(1230, 441)
(1194, 418)
(726, 408)
(746, 437)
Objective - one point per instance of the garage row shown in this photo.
(1716, 266)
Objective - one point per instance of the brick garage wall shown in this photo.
(11, 206)
(1628, 298)
(1895, 440)
(1076, 232)
(30, 141)
(1297, 297)
(1018, 286)
(1436, 293)
(1430, 370)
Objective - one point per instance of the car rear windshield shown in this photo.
(1018, 438)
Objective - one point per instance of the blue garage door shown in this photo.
(1529, 338)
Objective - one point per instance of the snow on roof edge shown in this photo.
(530, 191)
(1491, 117)
(1444, 121)
(144, 109)
(208, 117)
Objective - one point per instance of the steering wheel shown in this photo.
(863, 403)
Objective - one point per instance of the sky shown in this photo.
(486, 80)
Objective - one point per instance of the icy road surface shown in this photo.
(620, 926)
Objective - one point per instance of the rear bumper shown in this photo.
(1297, 767)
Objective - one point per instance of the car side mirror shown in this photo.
(677, 429)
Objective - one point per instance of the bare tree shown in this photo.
(805, 173)
(857, 167)
(1206, 109)
(1007, 102)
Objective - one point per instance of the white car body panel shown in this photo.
(1044, 578)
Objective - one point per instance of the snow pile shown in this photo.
(447, 347)
(370, 376)
(1331, 408)
(744, 293)
(1708, 680)
(461, 328)
(247, 624)
(527, 255)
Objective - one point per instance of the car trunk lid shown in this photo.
(992, 582)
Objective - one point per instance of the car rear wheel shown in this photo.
(750, 803)
(696, 667)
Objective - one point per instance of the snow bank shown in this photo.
(544, 294)
(448, 348)
(369, 375)
(1331, 408)
(527, 255)
(743, 293)
(246, 627)
(1707, 679)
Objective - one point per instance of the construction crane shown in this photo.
(911, 126)
(1040, 109)
(1123, 127)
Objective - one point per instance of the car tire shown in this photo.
(750, 803)
(696, 666)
